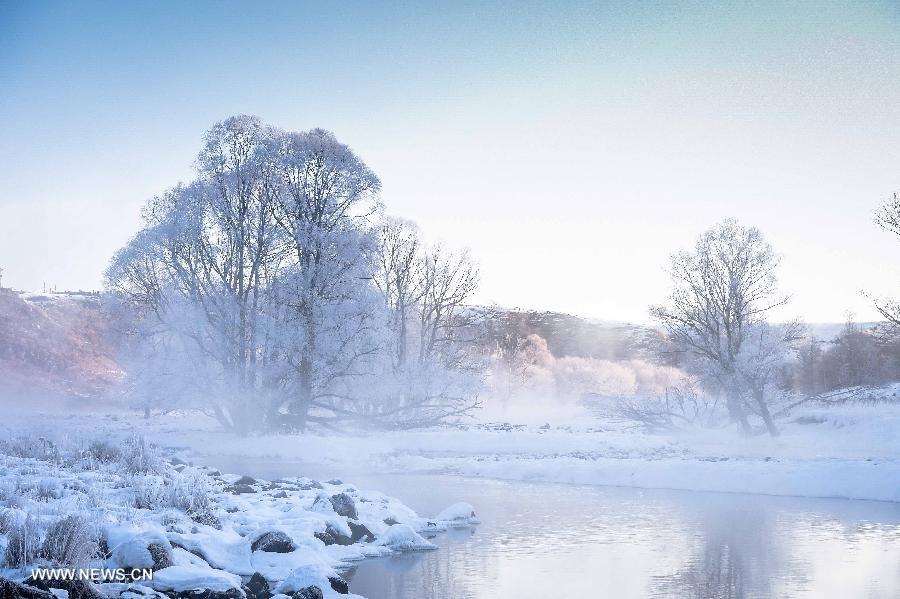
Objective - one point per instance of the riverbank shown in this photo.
(848, 452)
(125, 506)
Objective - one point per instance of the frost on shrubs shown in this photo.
(24, 544)
(102, 452)
(30, 447)
(190, 492)
(71, 541)
(9, 492)
(139, 457)
(43, 490)
(9, 520)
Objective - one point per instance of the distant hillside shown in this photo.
(54, 344)
(566, 334)
(827, 331)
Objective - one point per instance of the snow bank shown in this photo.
(849, 451)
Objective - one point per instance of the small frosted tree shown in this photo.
(888, 218)
(434, 367)
(722, 292)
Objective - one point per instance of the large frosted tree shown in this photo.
(258, 278)
(203, 264)
(327, 199)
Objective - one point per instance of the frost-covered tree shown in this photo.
(853, 359)
(204, 262)
(888, 218)
(434, 367)
(252, 288)
(328, 196)
(722, 293)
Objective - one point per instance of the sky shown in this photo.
(571, 146)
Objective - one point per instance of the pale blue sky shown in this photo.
(571, 146)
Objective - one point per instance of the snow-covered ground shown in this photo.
(81, 502)
(850, 451)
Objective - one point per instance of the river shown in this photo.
(542, 540)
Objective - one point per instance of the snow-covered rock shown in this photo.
(274, 541)
(402, 537)
(138, 548)
(344, 505)
(194, 578)
(223, 549)
(458, 515)
(306, 576)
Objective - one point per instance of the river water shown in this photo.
(549, 540)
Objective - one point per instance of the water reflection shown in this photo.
(552, 540)
(544, 540)
(739, 556)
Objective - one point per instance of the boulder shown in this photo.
(339, 584)
(135, 548)
(193, 582)
(332, 536)
(344, 506)
(240, 489)
(245, 480)
(208, 518)
(257, 587)
(162, 556)
(311, 592)
(77, 589)
(359, 532)
(207, 594)
(458, 514)
(322, 504)
(14, 590)
(273, 541)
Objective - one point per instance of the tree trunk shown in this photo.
(766, 416)
(737, 413)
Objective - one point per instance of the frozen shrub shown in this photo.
(677, 407)
(9, 492)
(37, 448)
(151, 492)
(8, 521)
(192, 493)
(103, 452)
(45, 489)
(24, 544)
(139, 457)
(71, 541)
